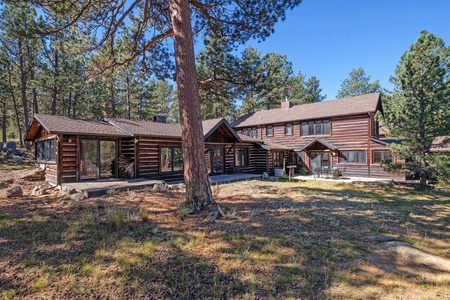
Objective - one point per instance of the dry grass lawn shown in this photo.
(280, 240)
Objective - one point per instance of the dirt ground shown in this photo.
(279, 240)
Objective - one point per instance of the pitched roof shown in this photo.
(341, 107)
(274, 146)
(441, 144)
(146, 128)
(118, 127)
(164, 130)
(64, 125)
(321, 141)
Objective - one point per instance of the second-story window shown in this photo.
(269, 130)
(288, 128)
(315, 128)
(253, 132)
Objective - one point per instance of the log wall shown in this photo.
(346, 133)
(69, 159)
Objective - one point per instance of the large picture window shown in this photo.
(352, 157)
(381, 156)
(278, 159)
(45, 150)
(241, 157)
(315, 128)
(171, 159)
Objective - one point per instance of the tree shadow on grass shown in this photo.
(277, 245)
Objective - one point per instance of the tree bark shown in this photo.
(128, 97)
(54, 89)
(23, 85)
(4, 122)
(16, 110)
(196, 179)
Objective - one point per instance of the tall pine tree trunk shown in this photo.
(16, 110)
(23, 89)
(55, 85)
(4, 121)
(198, 189)
(69, 104)
(128, 97)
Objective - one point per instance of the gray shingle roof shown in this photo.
(146, 128)
(163, 130)
(65, 125)
(341, 107)
(116, 127)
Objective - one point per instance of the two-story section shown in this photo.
(341, 133)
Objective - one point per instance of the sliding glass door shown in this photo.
(98, 159)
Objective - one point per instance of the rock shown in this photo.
(17, 159)
(34, 175)
(6, 182)
(11, 146)
(9, 153)
(265, 175)
(78, 197)
(416, 256)
(68, 190)
(160, 186)
(14, 192)
(39, 190)
(381, 238)
(178, 186)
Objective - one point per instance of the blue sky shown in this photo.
(327, 39)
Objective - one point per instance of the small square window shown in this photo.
(269, 130)
(288, 128)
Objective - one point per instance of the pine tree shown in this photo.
(358, 83)
(419, 110)
(150, 23)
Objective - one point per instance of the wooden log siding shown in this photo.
(230, 163)
(126, 149)
(51, 173)
(69, 159)
(148, 156)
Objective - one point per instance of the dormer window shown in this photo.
(269, 130)
(288, 129)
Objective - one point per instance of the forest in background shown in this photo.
(52, 74)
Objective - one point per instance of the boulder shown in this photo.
(14, 192)
(34, 175)
(68, 190)
(78, 197)
(160, 186)
(9, 153)
(11, 145)
(6, 182)
(39, 190)
(265, 175)
(17, 159)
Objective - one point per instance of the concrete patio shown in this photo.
(361, 180)
(97, 188)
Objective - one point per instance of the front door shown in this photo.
(216, 156)
(319, 160)
(98, 159)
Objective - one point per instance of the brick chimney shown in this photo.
(159, 118)
(286, 104)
